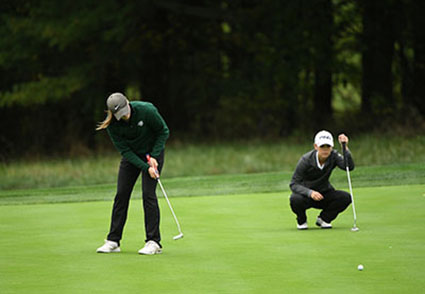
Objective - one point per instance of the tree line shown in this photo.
(215, 69)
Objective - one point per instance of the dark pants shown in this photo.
(127, 176)
(333, 203)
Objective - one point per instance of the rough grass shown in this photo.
(205, 159)
(226, 184)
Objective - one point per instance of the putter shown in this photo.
(180, 235)
(344, 150)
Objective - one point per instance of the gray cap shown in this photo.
(118, 104)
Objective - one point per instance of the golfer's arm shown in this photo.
(126, 152)
(297, 179)
(341, 163)
(300, 189)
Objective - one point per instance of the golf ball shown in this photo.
(360, 267)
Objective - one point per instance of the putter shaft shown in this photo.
(172, 211)
(352, 198)
(180, 235)
(344, 150)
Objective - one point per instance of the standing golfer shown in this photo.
(136, 129)
(310, 183)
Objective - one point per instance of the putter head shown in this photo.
(354, 229)
(179, 236)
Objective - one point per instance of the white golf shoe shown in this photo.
(321, 223)
(151, 247)
(109, 247)
(303, 226)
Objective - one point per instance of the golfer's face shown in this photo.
(324, 151)
(127, 117)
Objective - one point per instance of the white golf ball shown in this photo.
(360, 267)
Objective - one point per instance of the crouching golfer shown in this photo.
(310, 183)
(136, 129)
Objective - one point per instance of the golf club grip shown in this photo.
(148, 158)
(344, 152)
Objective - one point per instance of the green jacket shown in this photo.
(145, 132)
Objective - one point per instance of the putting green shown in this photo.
(233, 244)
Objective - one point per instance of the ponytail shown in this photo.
(106, 122)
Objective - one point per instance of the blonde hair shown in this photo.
(105, 123)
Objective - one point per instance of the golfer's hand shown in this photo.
(316, 196)
(152, 172)
(153, 163)
(343, 138)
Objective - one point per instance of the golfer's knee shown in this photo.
(149, 196)
(296, 200)
(346, 198)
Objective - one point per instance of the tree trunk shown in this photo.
(323, 31)
(377, 58)
(418, 99)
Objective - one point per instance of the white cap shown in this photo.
(324, 138)
(118, 104)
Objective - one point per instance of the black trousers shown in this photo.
(333, 203)
(127, 177)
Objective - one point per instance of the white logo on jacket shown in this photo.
(140, 123)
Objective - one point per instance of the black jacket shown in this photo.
(308, 176)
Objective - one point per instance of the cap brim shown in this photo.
(122, 112)
(325, 143)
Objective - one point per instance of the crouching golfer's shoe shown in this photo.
(321, 223)
(151, 247)
(109, 247)
(303, 226)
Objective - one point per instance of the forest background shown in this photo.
(216, 70)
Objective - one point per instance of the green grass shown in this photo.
(242, 243)
(227, 184)
(184, 160)
(239, 239)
